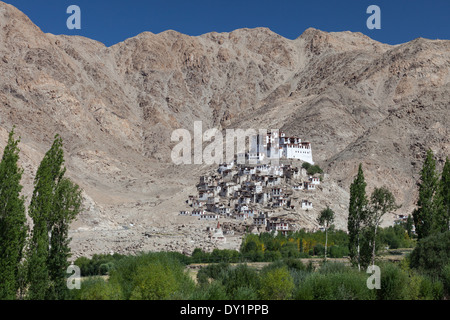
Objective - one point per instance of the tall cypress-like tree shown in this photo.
(67, 204)
(426, 204)
(47, 176)
(13, 228)
(442, 201)
(357, 216)
(55, 204)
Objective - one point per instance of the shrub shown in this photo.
(276, 284)
(105, 268)
(99, 264)
(272, 255)
(312, 170)
(214, 291)
(414, 282)
(314, 287)
(150, 276)
(351, 286)
(153, 282)
(319, 250)
(338, 251)
(299, 276)
(431, 289)
(306, 165)
(340, 284)
(274, 265)
(394, 283)
(96, 288)
(304, 291)
(333, 267)
(294, 264)
(245, 293)
(198, 256)
(202, 278)
(214, 271)
(240, 276)
(224, 256)
(394, 237)
(431, 254)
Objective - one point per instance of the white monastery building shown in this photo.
(273, 146)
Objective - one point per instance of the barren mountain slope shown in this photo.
(355, 99)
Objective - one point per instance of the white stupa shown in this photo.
(218, 234)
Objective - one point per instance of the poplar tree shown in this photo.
(67, 204)
(426, 203)
(357, 216)
(13, 228)
(55, 203)
(442, 201)
(40, 210)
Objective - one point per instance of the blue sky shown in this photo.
(113, 21)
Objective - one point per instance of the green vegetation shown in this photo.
(98, 265)
(163, 276)
(357, 220)
(432, 254)
(334, 281)
(33, 266)
(326, 219)
(12, 221)
(151, 276)
(301, 244)
(311, 169)
(433, 206)
(227, 274)
(382, 201)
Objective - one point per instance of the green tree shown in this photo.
(357, 216)
(276, 284)
(442, 201)
(96, 288)
(426, 205)
(394, 283)
(326, 219)
(431, 254)
(66, 206)
(382, 201)
(54, 204)
(306, 165)
(13, 227)
(154, 281)
(238, 277)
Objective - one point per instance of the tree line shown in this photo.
(34, 258)
(432, 215)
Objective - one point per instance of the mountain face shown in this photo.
(355, 99)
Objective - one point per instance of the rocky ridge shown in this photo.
(355, 99)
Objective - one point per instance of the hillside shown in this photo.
(355, 99)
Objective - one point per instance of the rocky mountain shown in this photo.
(355, 99)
